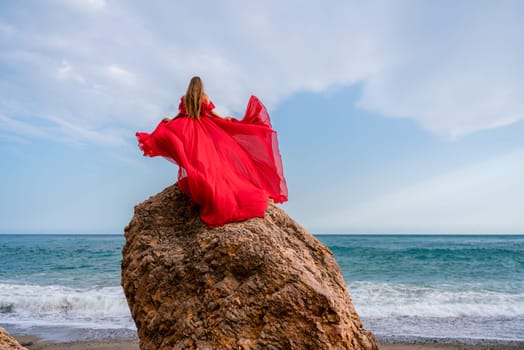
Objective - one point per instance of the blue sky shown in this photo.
(392, 116)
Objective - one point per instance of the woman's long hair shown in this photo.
(193, 97)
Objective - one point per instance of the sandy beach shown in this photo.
(33, 343)
(449, 347)
(133, 345)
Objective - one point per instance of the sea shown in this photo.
(406, 288)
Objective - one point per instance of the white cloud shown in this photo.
(458, 68)
(120, 75)
(20, 128)
(58, 130)
(67, 72)
(485, 197)
(98, 4)
(75, 132)
(454, 68)
(85, 5)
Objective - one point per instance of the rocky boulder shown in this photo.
(7, 342)
(258, 284)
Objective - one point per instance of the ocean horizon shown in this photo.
(405, 287)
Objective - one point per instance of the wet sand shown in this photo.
(450, 347)
(33, 343)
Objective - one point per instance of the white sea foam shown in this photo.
(391, 300)
(98, 308)
(387, 308)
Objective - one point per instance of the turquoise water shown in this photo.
(465, 288)
(494, 261)
(63, 287)
(79, 261)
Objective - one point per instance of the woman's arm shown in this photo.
(215, 114)
(166, 119)
(205, 98)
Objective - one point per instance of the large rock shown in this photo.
(258, 284)
(7, 342)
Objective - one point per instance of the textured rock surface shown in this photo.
(258, 284)
(9, 343)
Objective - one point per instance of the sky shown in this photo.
(392, 116)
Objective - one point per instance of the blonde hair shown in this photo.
(193, 97)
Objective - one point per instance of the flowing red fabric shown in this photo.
(230, 168)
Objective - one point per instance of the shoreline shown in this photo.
(62, 338)
(35, 343)
(32, 342)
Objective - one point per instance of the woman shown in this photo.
(230, 168)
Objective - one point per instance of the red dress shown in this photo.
(229, 168)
